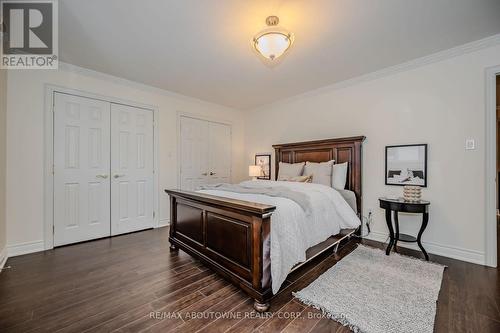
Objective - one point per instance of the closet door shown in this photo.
(131, 168)
(81, 169)
(219, 138)
(194, 153)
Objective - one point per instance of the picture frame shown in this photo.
(264, 161)
(406, 165)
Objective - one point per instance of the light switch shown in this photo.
(470, 144)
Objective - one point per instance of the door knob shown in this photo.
(118, 176)
(212, 173)
(204, 174)
(102, 176)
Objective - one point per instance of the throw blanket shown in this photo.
(273, 191)
(293, 231)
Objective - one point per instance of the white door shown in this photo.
(219, 138)
(194, 153)
(131, 169)
(81, 169)
(205, 149)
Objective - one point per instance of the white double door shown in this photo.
(103, 169)
(205, 152)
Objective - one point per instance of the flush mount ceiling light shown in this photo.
(272, 42)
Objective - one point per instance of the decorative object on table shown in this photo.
(264, 161)
(401, 205)
(406, 165)
(412, 193)
(400, 297)
(254, 171)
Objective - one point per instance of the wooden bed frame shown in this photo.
(228, 235)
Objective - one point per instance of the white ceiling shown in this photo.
(202, 48)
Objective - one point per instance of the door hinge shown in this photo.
(53, 229)
(53, 169)
(154, 214)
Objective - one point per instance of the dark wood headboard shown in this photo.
(341, 150)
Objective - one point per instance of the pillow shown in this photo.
(321, 172)
(339, 175)
(350, 198)
(289, 170)
(300, 179)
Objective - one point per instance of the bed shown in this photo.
(232, 236)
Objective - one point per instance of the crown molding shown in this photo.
(392, 70)
(385, 72)
(136, 85)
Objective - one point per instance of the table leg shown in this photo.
(388, 219)
(425, 220)
(396, 223)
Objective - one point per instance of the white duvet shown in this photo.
(292, 231)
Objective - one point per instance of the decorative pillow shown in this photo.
(321, 172)
(300, 179)
(289, 170)
(339, 175)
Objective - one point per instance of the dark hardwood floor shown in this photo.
(132, 283)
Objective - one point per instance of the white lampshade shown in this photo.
(272, 42)
(254, 171)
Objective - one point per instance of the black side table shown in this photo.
(400, 205)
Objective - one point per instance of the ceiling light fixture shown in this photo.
(272, 42)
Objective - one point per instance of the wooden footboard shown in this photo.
(227, 235)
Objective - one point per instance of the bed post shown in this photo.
(357, 170)
(173, 221)
(261, 231)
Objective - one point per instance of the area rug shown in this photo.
(373, 293)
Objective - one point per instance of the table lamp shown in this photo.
(254, 171)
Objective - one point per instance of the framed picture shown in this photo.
(264, 161)
(406, 165)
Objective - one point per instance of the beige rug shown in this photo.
(374, 293)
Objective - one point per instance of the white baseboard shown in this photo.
(163, 223)
(472, 256)
(3, 257)
(25, 248)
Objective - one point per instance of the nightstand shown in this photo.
(400, 205)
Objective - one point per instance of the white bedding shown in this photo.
(292, 232)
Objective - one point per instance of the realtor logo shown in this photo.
(29, 34)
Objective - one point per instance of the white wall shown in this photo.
(441, 103)
(3, 114)
(25, 136)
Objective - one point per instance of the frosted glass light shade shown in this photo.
(272, 44)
